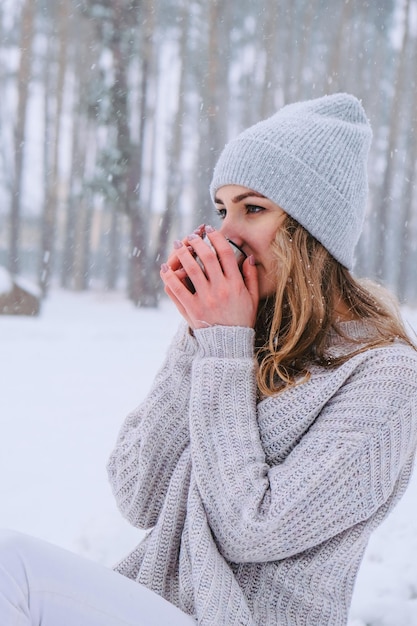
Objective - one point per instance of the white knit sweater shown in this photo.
(260, 512)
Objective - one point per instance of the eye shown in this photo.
(221, 213)
(253, 208)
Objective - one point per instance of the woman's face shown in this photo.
(251, 221)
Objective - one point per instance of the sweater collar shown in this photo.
(352, 335)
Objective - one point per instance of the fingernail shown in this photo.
(199, 228)
(193, 236)
(209, 229)
(251, 260)
(177, 244)
(164, 268)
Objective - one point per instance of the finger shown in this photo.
(250, 276)
(195, 270)
(176, 302)
(175, 281)
(173, 260)
(200, 230)
(207, 257)
(224, 252)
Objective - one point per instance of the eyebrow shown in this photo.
(241, 197)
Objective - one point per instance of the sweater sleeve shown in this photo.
(331, 477)
(153, 437)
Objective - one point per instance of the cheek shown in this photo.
(263, 243)
(267, 254)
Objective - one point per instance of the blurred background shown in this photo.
(113, 113)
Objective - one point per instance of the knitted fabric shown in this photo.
(261, 511)
(310, 158)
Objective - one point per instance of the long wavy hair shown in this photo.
(292, 327)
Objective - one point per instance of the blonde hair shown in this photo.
(293, 326)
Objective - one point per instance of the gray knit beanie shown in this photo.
(310, 158)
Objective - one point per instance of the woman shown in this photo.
(282, 427)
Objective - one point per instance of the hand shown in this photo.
(223, 295)
(173, 261)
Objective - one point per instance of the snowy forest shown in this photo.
(113, 113)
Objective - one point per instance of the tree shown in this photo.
(23, 81)
(86, 92)
(54, 95)
(213, 91)
(382, 260)
(232, 64)
(175, 148)
(141, 291)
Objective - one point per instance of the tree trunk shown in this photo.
(85, 127)
(79, 149)
(382, 260)
(140, 283)
(23, 80)
(334, 54)
(406, 270)
(376, 73)
(82, 234)
(174, 179)
(214, 108)
(269, 42)
(305, 48)
(113, 251)
(52, 189)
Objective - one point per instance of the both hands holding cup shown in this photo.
(211, 280)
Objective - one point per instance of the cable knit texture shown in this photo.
(260, 511)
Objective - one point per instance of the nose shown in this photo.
(231, 230)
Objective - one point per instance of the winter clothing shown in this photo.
(261, 511)
(43, 584)
(310, 158)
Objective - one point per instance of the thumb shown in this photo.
(250, 275)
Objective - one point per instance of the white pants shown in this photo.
(42, 585)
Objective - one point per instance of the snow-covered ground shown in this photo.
(67, 379)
